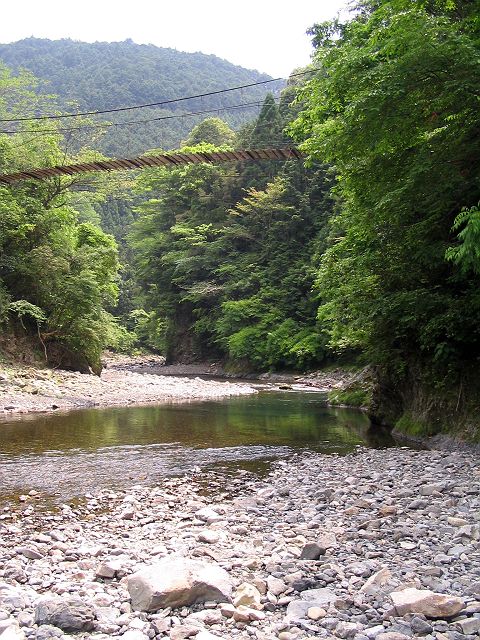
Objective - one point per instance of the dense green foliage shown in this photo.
(372, 249)
(227, 256)
(57, 273)
(106, 75)
(395, 108)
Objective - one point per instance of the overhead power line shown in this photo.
(152, 104)
(106, 125)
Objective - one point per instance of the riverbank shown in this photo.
(31, 389)
(136, 380)
(325, 547)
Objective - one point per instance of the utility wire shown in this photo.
(153, 104)
(106, 125)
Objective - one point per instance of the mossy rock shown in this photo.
(414, 428)
(351, 397)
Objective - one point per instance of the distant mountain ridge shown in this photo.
(103, 75)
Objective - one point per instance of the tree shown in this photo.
(174, 245)
(54, 271)
(226, 272)
(265, 131)
(394, 107)
(212, 131)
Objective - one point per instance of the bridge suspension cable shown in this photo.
(160, 160)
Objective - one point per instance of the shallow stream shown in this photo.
(69, 454)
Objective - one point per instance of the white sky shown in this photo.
(268, 35)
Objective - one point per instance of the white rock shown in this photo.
(207, 514)
(208, 536)
(206, 635)
(227, 610)
(11, 631)
(134, 634)
(315, 613)
(107, 569)
(176, 582)
(456, 522)
(248, 596)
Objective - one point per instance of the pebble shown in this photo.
(320, 558)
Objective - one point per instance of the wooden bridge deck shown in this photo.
(162, 160)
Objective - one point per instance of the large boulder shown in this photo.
(178, 582)
(69, 614)
(428, 603)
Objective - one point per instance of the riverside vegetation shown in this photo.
(369, 253)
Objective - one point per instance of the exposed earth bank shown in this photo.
(377, 545)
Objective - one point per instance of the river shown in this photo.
(64, 455)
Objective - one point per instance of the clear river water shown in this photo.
(69, 454)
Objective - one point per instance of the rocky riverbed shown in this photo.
(377, 545)
(27, 389)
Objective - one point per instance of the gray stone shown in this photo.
(29, 552)
(469, 626)
(319, 597)
(376, 581)
(12, 598)
(430, 489)
(176, 582)
(420, 626)
(373, 632)
(311, 551)
(46, 631)
(297, 611)
(346, 629)
(69, 614)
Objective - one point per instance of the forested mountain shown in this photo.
(105, 75)
(370, 249)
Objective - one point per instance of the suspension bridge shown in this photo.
(160, 160)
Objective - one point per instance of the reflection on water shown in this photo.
(73, 453)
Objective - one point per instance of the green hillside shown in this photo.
(105, 75)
